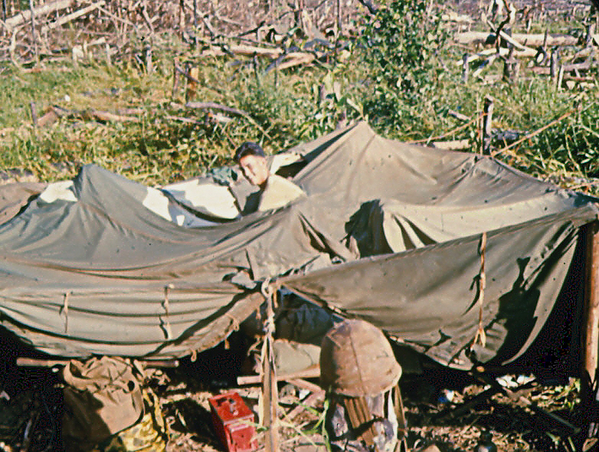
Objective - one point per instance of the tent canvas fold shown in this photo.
(389, 232)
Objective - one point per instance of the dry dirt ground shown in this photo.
(31, 408)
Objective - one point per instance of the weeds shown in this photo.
(401, 74)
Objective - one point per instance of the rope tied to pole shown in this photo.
(482, 284)
(269, 396)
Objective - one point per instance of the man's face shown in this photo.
(255, 169)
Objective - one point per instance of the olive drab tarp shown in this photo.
(388, 232)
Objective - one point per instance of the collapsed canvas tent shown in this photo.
(389, 232)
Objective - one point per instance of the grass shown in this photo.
(284, 108)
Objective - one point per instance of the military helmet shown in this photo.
(356, 360)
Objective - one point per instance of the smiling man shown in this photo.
(275, 191)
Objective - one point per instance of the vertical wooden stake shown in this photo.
(590, 34)
(590, 327)
(33, 37)
(488, 117)
(175, 78)
(465, 68)
(511, 68)
(560, 78)
(148, 58)
(339, 19)
(108, 58)
(182, 17)
(192, 84)
(186, 79)
(269, 375)
(553, 64)
(338, 36)
(33, 114)
(195, 22)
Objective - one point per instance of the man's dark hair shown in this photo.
(248, 148)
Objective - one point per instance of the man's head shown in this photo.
(252, 161)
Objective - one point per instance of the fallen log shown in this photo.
(544, 70)
(458, 116)
(455, 145)
(530, 53)
(511, 40)
(42, 10)
(531, 40)
(75, 15)
(215, 106)
(211, 118)
(452, 16)
(56, 112)
(296, 59)
(244, 50)
(109, 117)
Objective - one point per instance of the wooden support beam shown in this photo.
(312, 372)
(269, 399)
(465, 69)
(36, 362)
(590, 326)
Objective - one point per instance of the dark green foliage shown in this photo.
(400, 49)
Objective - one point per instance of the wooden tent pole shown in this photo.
(269, 397)
(590, 331)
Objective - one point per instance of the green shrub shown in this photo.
(400, 46)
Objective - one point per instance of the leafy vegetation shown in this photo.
(401, 73)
